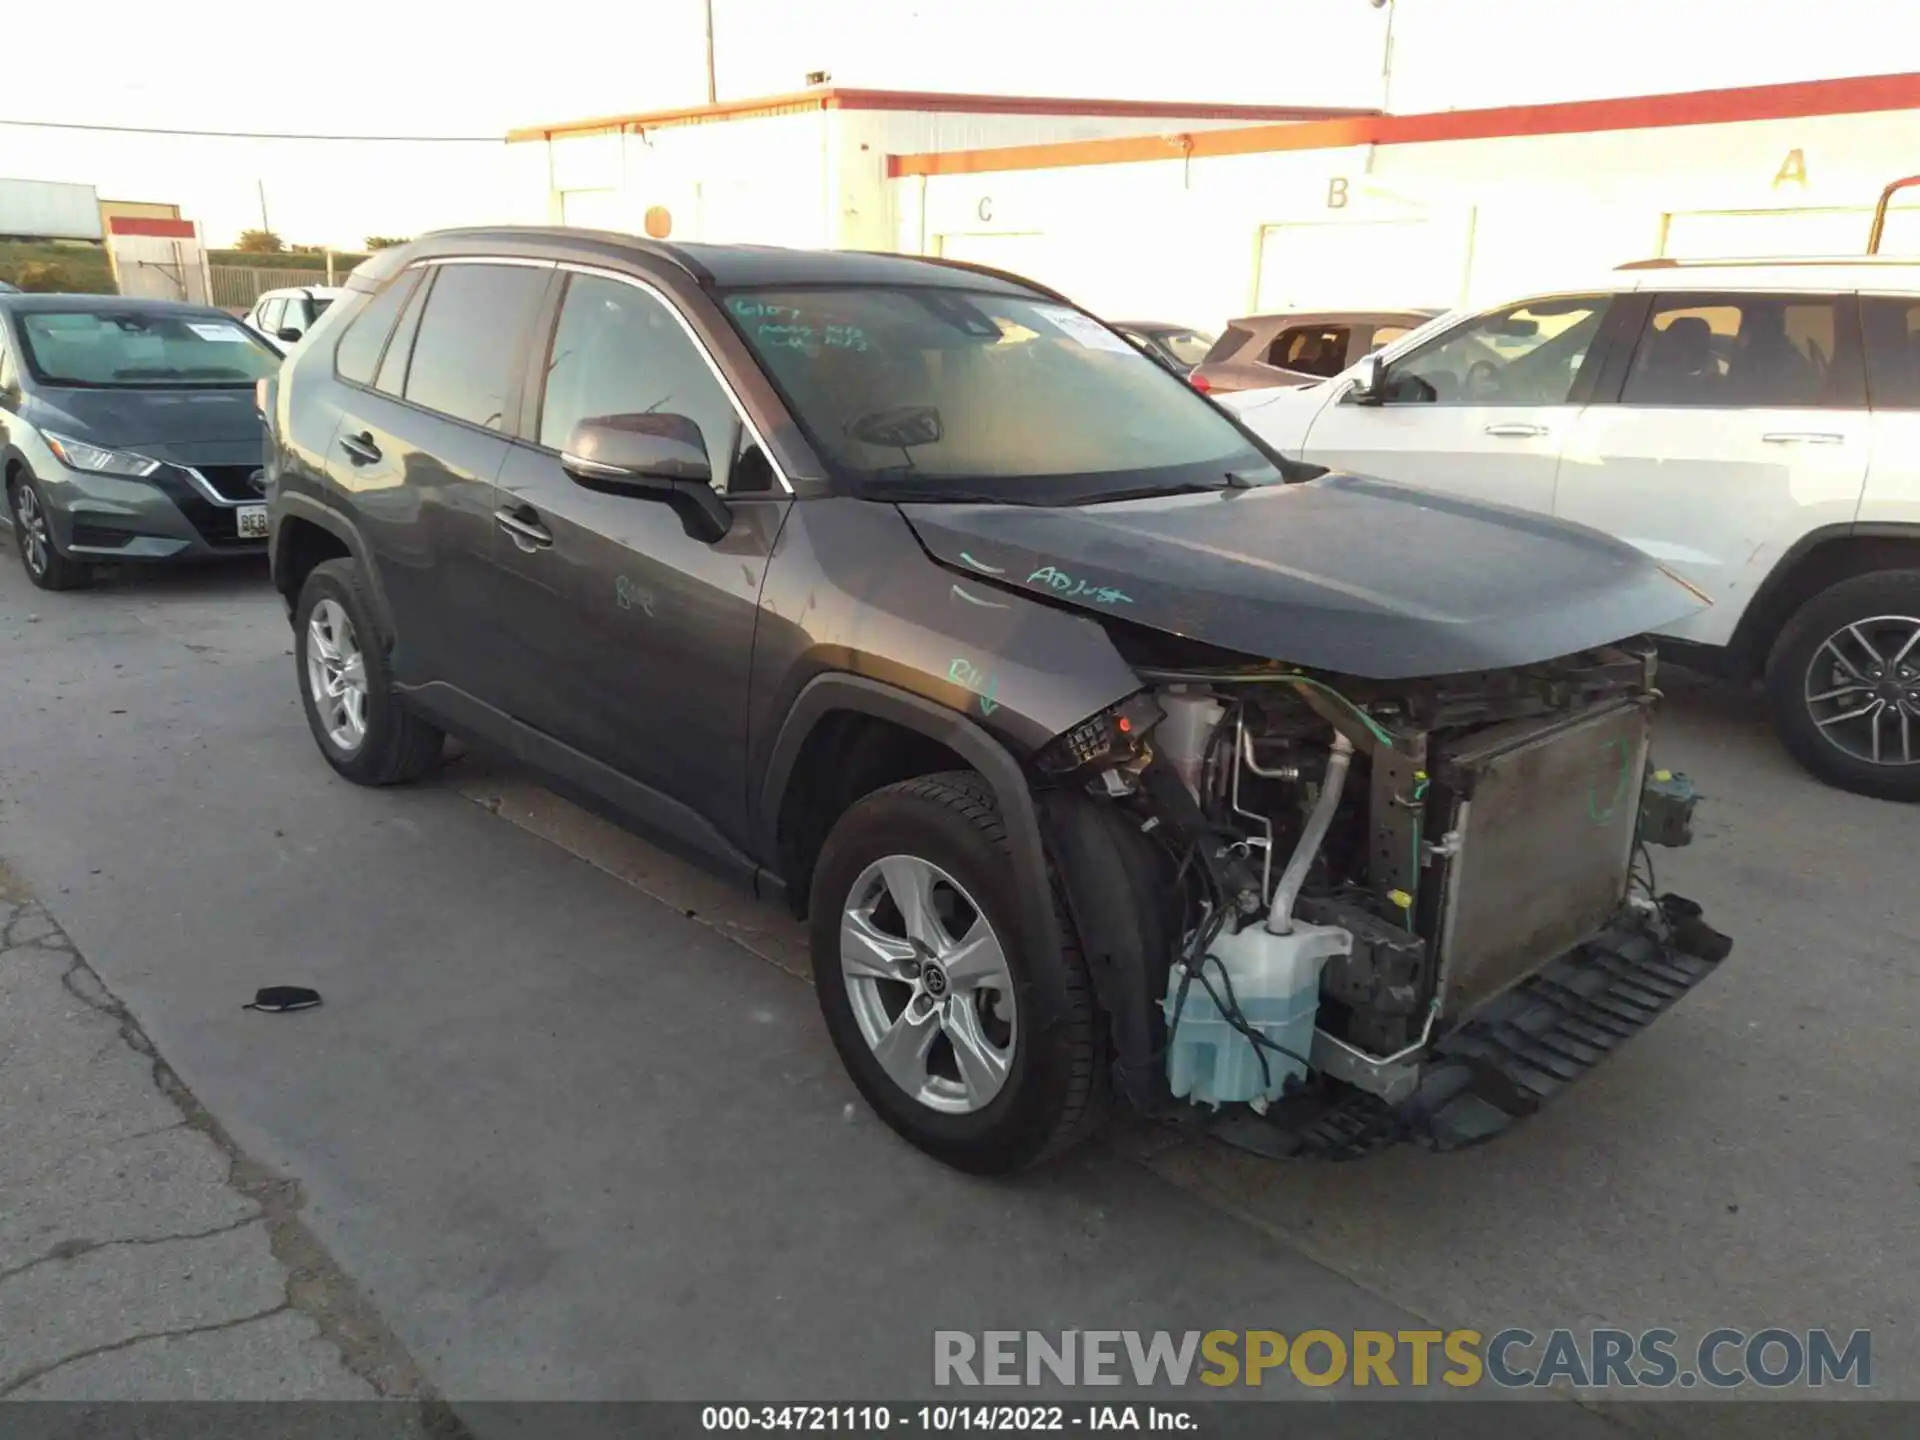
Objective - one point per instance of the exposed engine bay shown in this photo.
(1399, 908)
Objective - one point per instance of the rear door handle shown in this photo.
(1516, 430)
(528, 533)
(1803, 437)
(360, 448)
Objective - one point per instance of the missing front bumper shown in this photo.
(1515, 1055)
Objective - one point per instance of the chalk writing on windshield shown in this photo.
(786, 327)
(1068, 588)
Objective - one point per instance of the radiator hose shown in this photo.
(1280, 911)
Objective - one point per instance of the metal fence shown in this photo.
(236, 287)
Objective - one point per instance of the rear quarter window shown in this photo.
(358, 354)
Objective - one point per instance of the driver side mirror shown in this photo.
(287, 334)
(1369, 382)
(654, 456)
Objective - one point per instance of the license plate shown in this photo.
(252, 520)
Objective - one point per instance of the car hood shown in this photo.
(1358, 576)
(148, 420)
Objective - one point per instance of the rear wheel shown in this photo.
(980, 1053)
(33, 531)
(358, 722)
(1844, 683)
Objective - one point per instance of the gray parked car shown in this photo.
(1260, 352)
(1178, 347)
(1107, 750)
(128, 432)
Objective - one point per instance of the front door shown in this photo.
(1480, 411)
(630, 641)
(1739, 425)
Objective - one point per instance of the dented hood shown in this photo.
(1358, 576)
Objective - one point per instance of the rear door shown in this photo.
(1892, 326)
(625, 638)
(420, 444)
(1481, 410)
(1735, 424)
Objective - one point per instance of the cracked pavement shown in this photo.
(142, 1256)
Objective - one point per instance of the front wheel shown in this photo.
(358, 722)
(1844, 684)
(46, 567)
(978, 1052)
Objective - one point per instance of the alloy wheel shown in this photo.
(337, 675)
(928, 983)
(36, 542)
(1863, 689)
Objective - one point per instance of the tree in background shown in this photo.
(384, 242)
(260, 242)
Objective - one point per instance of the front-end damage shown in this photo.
(1325, 913)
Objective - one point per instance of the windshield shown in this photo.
(1189, 347)
(925, 391)
(142, 349)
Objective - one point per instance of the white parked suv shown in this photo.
(285, 316)
(1752, 425)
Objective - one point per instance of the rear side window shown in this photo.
(1236, 339)
(392, 377)
(1311, 349)
(1893, 351)
(469, 344)
(358, 354)
(1772, 351)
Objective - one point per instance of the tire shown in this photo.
(1883, 606)
(1053, 1088)
(392, 744)
(40, 553)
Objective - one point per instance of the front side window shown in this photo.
(1525, 355)
(1777, 351)
(467, 352)
(143, 349)
(1311, 349)
(1892, 327)
(620, 351)
(270, 316)
(927, 391)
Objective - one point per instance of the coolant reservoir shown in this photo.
(1182, 737)
(1276, 983)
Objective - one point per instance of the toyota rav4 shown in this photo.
(1105, 750)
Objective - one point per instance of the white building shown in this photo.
(1424, 210)
(806, 169)
(1194, 214)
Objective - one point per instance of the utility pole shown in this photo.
(1386, 59)
(262, 184)
(712, 93)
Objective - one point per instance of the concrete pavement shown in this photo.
(568, 1134)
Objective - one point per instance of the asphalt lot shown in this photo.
(572, 1128)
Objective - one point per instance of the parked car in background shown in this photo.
(285, 316)
(1754, 426)
(1263, 351)
(849, 573)
(128, 432)
(7, 288)
(1178, 347)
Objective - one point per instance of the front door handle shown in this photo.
(1516, 430)
(360, 448)
(1803, 437)
(522, 523)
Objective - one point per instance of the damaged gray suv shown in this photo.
(1109, 753)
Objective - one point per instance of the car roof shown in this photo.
(1337, 317)
(102, 304)
(715, 265)
(1895, 273)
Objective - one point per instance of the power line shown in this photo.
(257, 134)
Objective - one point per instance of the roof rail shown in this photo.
(1765, 262)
